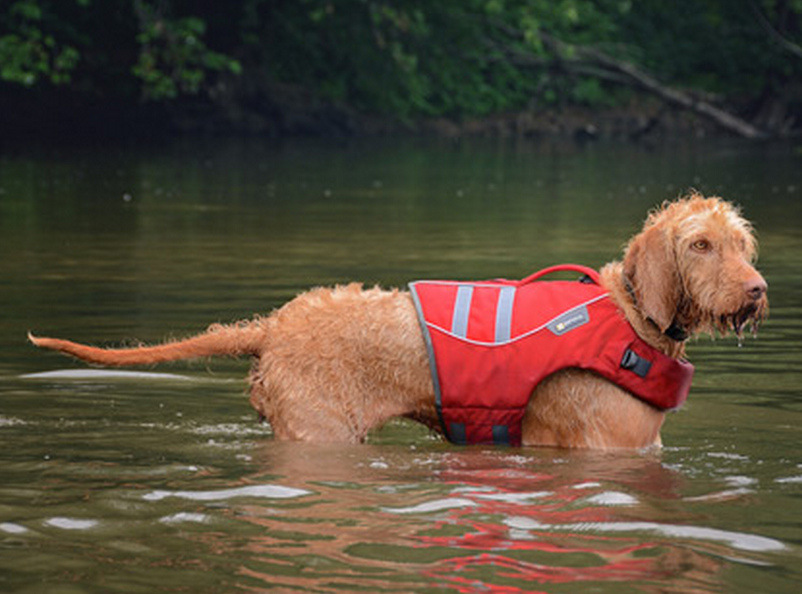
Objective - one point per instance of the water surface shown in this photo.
(162, 480)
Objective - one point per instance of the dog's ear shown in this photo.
(650, 265)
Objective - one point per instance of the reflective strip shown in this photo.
(506, 296)
(501, 435)
(427, 337)
(462, 310)
(457, 433)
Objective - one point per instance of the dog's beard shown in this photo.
(747, 318)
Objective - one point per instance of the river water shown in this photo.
(161, 480)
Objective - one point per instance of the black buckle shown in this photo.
(635, 363)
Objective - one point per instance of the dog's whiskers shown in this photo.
(737, 322)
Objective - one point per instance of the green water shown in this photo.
(161, 480)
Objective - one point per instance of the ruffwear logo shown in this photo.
(570, 320)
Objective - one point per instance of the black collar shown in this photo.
(675, 331)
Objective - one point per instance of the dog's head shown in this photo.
(692, 266)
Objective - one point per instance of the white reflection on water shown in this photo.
(10, 422)
(738, 540)
(181, 517)
(612, 498)
(516, 498)
(265, 491)
(789, 479)
(432, 506)
(12, 528)
(71, 523)
(96, 374)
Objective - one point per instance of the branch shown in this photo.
(643, 80)
(774, 34)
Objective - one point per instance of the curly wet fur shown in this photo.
(334, 363)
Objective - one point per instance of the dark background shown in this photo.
(585, 68)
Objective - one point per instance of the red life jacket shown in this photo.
(491, 343)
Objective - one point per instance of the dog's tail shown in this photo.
(244, 338)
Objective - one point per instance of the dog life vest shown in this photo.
(490, 343)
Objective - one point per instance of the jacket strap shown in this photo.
(593, 274)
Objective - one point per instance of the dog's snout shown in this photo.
(755, 287)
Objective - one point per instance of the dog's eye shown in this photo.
(701, 245)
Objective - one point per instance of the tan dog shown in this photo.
(333, 364)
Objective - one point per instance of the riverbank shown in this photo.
(298, 114)
(626, 122)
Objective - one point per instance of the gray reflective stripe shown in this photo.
(462, 310)
(457, 433)
(501, 435)
(427, 337)
(506, 296)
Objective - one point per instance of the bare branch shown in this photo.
(636, 77)
(774, 34)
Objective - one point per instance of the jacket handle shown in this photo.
(593, 274)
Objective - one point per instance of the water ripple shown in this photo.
(95, 374)
(738, 540)
(789, 479)
(11, 422)
(12, 528)
(612, 498)
(71, 523)
(263, 491)
(432, 506)
(181, 517)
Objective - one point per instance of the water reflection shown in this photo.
(160, 480)
(502, 520)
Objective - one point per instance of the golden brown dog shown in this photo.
(333, 364)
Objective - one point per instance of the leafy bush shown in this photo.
(405, 58)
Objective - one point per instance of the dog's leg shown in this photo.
(341, 362)
(330, 365)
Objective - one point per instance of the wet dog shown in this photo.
(334, 363)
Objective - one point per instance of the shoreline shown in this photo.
(637, 120)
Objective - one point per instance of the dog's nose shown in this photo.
(755, 288)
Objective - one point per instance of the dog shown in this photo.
(335, 363)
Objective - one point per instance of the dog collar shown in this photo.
(675, 331)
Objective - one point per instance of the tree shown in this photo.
(44, 42)
(30, 49)
(305, 65)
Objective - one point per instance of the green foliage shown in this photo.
(29, 51)
(173, 58)
(44, 41)
(402, 58)
(591, 91)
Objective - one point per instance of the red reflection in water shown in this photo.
(471, 523)
(519, 545)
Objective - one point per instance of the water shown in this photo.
(162, 480)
